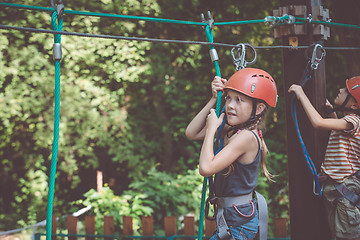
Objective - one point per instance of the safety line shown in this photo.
(38, 30)
(304, 20)
(210, 38)
(54, 155)
(239, 22)
(95, 14)
(151, 19)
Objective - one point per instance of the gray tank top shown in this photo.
(241, 181)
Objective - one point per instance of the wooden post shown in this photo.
(307, 216)
(53, 227)
(99, 181)
(189, 226)
(210, 227)
(109, 226)
(170, 226)
(90, 227)
(128, 226)
(147, 226)
(71, 223)
(280, 228)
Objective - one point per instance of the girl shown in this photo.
(247, 95)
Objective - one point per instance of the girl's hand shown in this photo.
(212, 121)
(217, 84)
(297, 89)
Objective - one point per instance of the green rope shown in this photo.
(239, 22)
(152, 19)
(304, 20)
(94, 14)
(210, 38)
(57, 39)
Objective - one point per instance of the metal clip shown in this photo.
(271, 20)
(289, 19)
(59, 10)
(57, 52)
(210, 21)
(315, 60)
(213, 55)
(314, 189)
(309, 18)
(240, 61)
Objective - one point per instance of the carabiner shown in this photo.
(319, 187)
(240, 61)
(315, 60)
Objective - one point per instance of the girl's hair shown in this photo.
(260, 124)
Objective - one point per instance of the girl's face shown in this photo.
(238, 107)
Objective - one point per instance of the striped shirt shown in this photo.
(342, 158)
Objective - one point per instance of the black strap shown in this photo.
(348, 194)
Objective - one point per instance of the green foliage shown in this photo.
(124, 108)
(156, 194)
(124, 104)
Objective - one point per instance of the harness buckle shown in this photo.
(213, 201)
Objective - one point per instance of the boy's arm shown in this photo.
(315, 118)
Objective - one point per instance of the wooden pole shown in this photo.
(307, 215)
(99, 181)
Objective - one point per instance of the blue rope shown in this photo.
(310, 163)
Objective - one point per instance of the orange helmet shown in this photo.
(255, 83)
(353, 86)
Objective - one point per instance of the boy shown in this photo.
(342, 158)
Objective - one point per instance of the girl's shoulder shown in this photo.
(245, 136)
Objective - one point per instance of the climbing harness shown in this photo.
(312, 65)
(343, 190)
(222, 203)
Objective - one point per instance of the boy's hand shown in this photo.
(217, 84)
(328, 105)
(297, 89)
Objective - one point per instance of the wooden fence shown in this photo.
(147, 227)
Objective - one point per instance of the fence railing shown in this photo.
(147, 229)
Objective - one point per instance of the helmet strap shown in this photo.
(342, 107)
(253, 112)
(247, 124)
